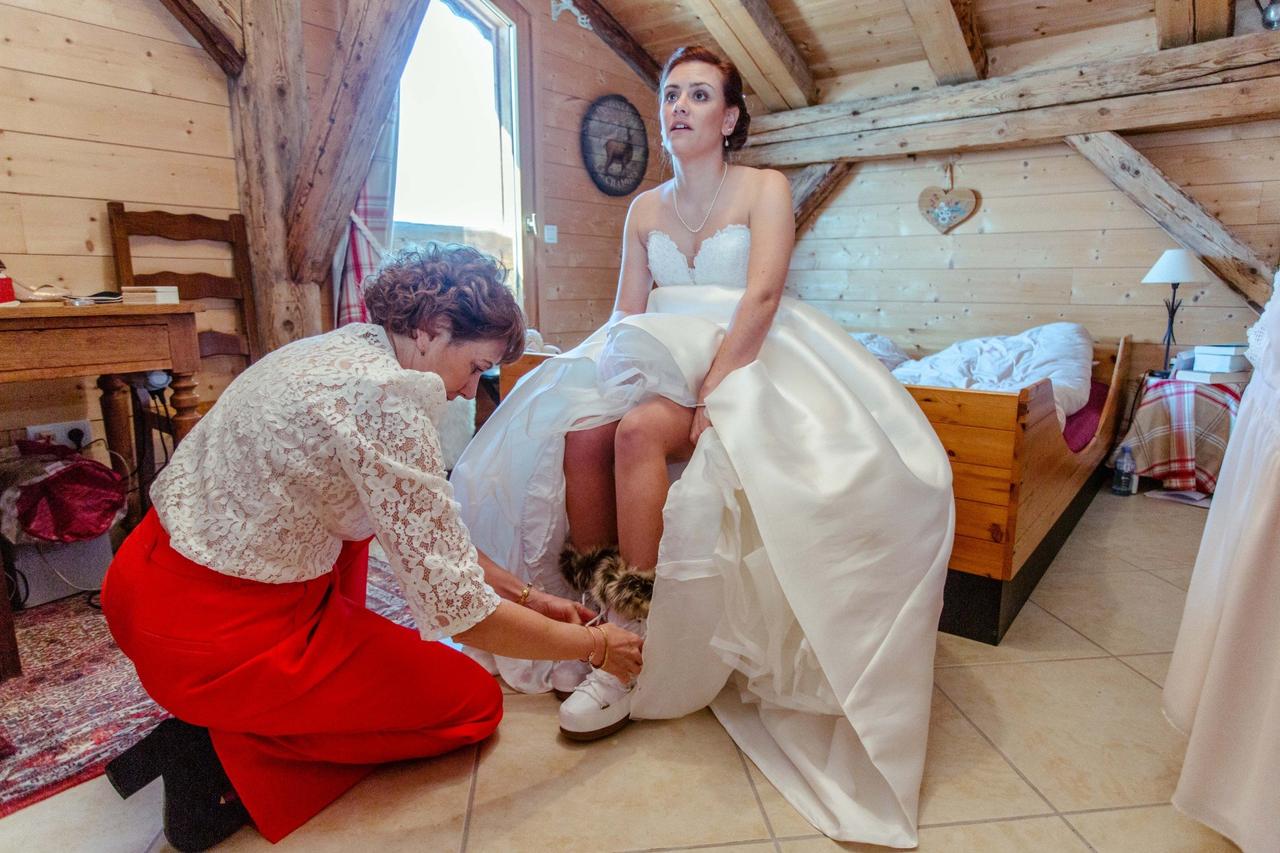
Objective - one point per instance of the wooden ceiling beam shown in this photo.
(217, 26)
(1225, 60)
(749, 34)
(268, 124)
(621, 42)
(1186, 86)
(948, 31)
(810, 187)
(1223, 103)
(359, 90)
(1183, 22)
(1179, 215)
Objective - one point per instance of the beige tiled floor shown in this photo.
(1052, 741)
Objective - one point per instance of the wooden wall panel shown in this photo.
(1052, 240)
(77, 49)
(105, 101)
(578, 275)
(35, 103)
(131, 16)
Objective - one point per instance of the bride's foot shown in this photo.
(599, 707)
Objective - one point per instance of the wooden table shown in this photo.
(60, 341)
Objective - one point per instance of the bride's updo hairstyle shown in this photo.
(732, 88)
(446, 286)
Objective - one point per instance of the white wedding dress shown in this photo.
(805, 546)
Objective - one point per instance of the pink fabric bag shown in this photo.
(53, 494)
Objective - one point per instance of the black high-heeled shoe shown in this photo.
(196, 817)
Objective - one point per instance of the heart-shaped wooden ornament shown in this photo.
(945, 209)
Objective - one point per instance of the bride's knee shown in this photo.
(641, 432)
(589, 445)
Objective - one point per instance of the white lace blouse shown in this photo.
(327, 439)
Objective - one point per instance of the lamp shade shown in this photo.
(1178, 266)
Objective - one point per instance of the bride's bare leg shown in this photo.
(649, 436)
(588, 487)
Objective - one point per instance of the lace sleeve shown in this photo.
(387, 444)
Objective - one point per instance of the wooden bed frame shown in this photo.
(1019, 490)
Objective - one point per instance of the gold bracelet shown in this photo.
(524, 595)
(604, 646)
(605, 660)
(591, 652)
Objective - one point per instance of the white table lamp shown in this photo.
(1175, 267)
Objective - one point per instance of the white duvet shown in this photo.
(1059, 352)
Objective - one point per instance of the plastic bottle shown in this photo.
(1125, 481)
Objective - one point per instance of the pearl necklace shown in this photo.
(676, 195)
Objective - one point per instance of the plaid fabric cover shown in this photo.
(361, 249)
(1180, 430)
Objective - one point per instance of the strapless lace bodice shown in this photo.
(721, 259)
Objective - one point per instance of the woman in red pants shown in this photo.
(240, 597)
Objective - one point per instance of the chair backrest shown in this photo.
(183, 227)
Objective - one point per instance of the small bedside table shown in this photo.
(1180, 430)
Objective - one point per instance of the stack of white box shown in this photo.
(1218, 364)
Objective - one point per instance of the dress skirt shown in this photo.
(1223, 686)
(804, 548)
(304, 690)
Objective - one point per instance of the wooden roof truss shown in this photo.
(298, 184)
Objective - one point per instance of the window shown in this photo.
(462, 156)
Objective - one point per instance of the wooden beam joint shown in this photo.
(621, 42)
(373, 47)
(810, 187)
(749, 33)
(1179, 215)
(216, 25)
(948, 31)
(1222, 81)
(1183, 22)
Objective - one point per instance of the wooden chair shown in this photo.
(191, 286)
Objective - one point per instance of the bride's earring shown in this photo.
(726, 142)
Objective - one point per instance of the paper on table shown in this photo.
(1190, 497)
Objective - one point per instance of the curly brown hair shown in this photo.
(732, 88)
(446, 286)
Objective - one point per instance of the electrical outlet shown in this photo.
(61, 433)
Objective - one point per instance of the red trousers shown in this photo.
(303, 690)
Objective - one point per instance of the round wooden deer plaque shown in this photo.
(615, 146)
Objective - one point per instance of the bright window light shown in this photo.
(450, 135)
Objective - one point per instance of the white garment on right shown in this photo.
(1223, 686)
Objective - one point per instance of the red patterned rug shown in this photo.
(78, 703)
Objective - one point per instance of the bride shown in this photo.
(729, 462)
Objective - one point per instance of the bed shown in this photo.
(1019, 488)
